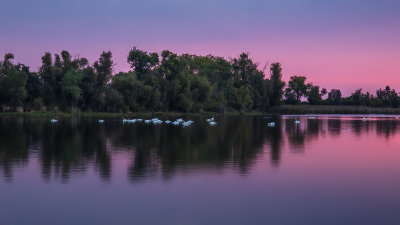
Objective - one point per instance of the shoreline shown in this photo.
(280, 110)
(335, 109)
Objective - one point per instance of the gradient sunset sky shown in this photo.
(345, 44)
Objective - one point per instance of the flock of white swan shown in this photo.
(273, 124)
(157, 121)
(177, 122)
(180, 121)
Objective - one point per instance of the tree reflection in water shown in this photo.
(73, 146)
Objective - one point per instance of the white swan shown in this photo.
(187, 123)
(53, 120)
(157, 121)
(210, 119)
(297, 122)
(101, 121)
(168, 121)
(127, 120)
(147, 121)
(213, 123)
(271, 124)
(175, 123)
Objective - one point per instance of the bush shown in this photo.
(38, 104)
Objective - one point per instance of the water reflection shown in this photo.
(15, 142)
(334, 127)
(71, 147)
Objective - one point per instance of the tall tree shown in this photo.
(13, 80)
(244, 68)
(142, 62)
(103, 69)
(66, 61)
(71, 90)
(334, 97)
(296, 89)
(34, 88)
(387, 97)
(314, 96)
(277, 84)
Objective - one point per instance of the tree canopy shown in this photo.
(166, 82)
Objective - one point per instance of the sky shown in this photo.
(342, 44)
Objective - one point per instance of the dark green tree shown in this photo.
(71, 90)
(142, 62)
(34, 88)
(387, 97)
(200, 90)
(314, 96)
(13, 80)
(334, 97)
(357, 98)
(296, 89)
(51, 78)
(276, 84)
(103, 69)
(243, 68)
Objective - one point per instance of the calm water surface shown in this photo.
(327, 170)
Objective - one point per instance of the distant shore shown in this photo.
(331, 109)
(107, 114)
(279, 110)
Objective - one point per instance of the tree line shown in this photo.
(165, 82)
(297, 89)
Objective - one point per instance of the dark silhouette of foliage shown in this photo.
(314, 95)
(13, 79)
(296, 89)
(334, 97)
(167, 83)
(142, 62)
(276, 84)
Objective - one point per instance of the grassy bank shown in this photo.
(285, 109)
(35, 114)
(127, 115)
(331, 109)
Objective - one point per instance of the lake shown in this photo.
(324, 170)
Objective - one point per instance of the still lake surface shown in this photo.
(327, 170)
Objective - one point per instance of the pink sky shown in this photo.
(342, 44)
